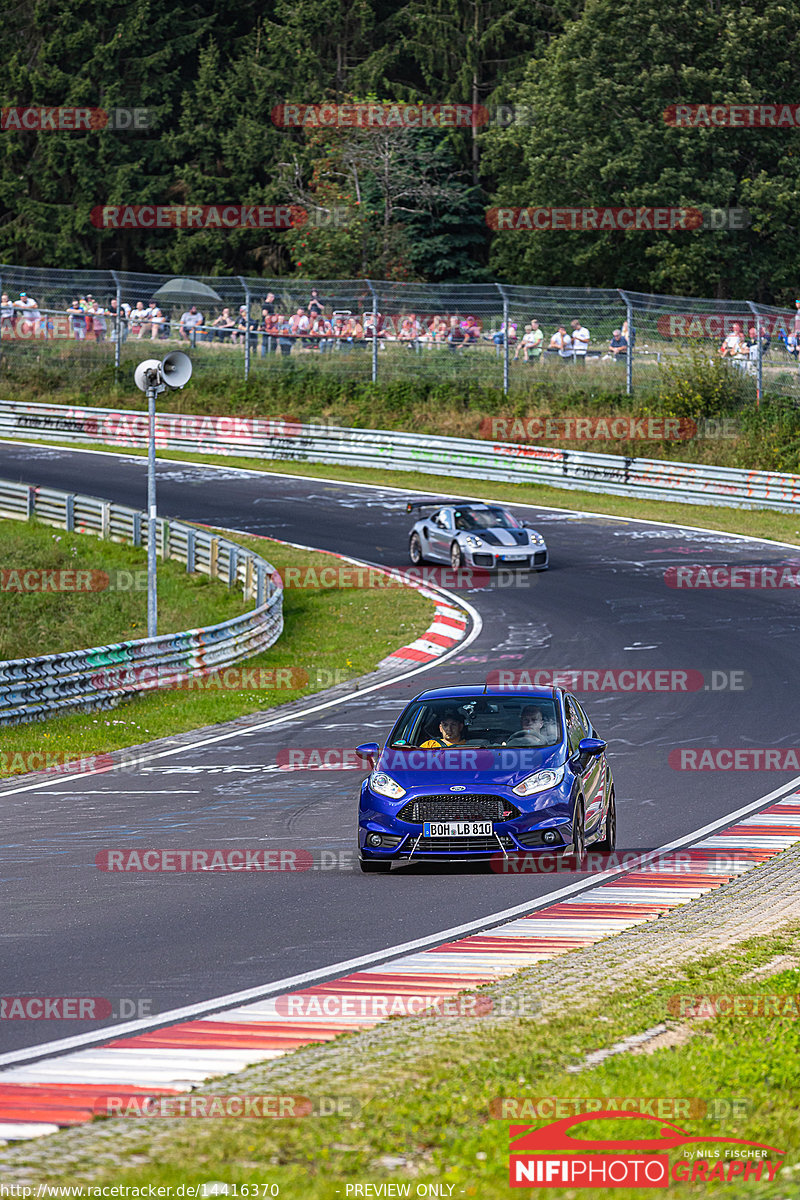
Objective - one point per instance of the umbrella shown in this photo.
(185, 291)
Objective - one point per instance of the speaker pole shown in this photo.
(152, 595)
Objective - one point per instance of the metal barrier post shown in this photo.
(760, 357)
(374, 331)
(505, 339)
(629, 351)
(118, 331)
(246, 329)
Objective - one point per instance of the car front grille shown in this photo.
(539, 557)
(466, 807)
(461, 845)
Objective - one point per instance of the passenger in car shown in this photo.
(452, 728)
(535, 730)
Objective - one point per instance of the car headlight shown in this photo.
(384, 785)
(537, 538)
(473, 541)
(541, 781)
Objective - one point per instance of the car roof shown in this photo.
(479, 690)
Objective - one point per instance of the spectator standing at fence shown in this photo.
(796, 318)
(285, 339)
(145, 317)
(7, 317)
(267, 315)
(580, 342)
(77, 321)
(531, 344)
(87, 304)
(190, 321)
(562, 342)
(314, 307)
(524, 344)
(299, 325)
(120, 313)
(630, 338)
(240, 329)
(99, 325)
(29, 311)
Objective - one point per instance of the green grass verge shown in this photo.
(437, 1122)
(114, 610)
(761, 523)
(332, 634)
(446, 394)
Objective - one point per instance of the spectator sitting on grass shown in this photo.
(730, 345)
(223, 325)
(617, 347)
(189, 321)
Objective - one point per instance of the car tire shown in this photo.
(579, 832)
(456, 557)
(373, 866)
(609, 841)
(415, 549)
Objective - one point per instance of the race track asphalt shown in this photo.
(72, 930)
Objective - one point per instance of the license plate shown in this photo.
(512, 557)
(451, 829)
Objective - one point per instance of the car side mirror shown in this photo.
(370, 751)
(593, 747)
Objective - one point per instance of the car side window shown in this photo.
(575, 730)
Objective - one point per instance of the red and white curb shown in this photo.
(70, 1089)
(449, 627)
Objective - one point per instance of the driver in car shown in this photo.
(535, 730)
(451, 727)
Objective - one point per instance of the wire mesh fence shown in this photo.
(65, 326)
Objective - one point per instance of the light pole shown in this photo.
(152, 377)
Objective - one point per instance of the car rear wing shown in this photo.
(412, 504)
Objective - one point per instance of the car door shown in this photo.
(589, 768)
(441, 530)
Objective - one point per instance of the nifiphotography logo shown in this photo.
(552, 1157)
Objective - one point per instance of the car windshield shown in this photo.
(485, 721)
(485, 518)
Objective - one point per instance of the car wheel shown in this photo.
(415, 549)
(579, 832)
(373, 866)
(456, 558)
(609, 842)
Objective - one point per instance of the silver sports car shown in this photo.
(473, 535)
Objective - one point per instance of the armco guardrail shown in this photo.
(32, 689)
(647, 478)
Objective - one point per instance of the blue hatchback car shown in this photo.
(475, 772)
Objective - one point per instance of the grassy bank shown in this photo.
(697, 392)
(330, 635)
